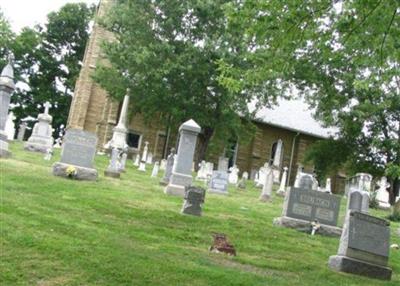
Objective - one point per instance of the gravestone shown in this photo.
(301, 207)
(154, 172)
(266, 193)
(149, 159)
(113, 169)
(21, 131)
(219, 183)
(382, 195)
(7, 87)
(143, 160)
(194, 198)
(49, 154)
(78, 152)
(120, 131)
(168, 168)
(364, 247)
(328, 188)
(209, 169)
(163, 164)
(282, 186)
(298, 175)
(305, 181)
(233, 175)
(223, 164)
(10, 126)
(122, 161)
(181, 173)
(361, 181)
(58, 141)
(202, 172)
(41, 138)
(137, 160)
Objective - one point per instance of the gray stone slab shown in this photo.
(305, 226)
(312, 205)
(219, 183)
(354, 266)
(194, 198)
(88, 174)
(79, 148)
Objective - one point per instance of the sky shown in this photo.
(21, 13)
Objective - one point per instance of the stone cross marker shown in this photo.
(219, 183)
(233, 175)
(194, 198)
(78, 150)
(182, 171)
(7, 87)
(364, 247)
(41, 138)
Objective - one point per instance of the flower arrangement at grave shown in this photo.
(71, 172)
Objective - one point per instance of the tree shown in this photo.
(343, 56)
(167, 53)
(6, 38)
(48, 61)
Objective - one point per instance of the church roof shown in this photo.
(293, 115)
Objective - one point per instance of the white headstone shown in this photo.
(233, 175)
(202, 172)
(10, 126)
(267, 188)
(163, 164)
(282, 187)
(156, 167)
(328, 187)
(137, 160)
(149, 159)
(142, 165)
(382, 195)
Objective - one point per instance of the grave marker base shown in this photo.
(112, 174)
(305, 226)
(354, 266)
(82, 173)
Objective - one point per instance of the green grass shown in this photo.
(56, 231)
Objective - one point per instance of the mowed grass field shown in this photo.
(56, 231)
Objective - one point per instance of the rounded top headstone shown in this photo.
(7, 74)
(190, 125)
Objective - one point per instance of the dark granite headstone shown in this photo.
(194, 198)
(219, 183)
(312, 205)
(364, 246)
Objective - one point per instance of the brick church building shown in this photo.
(93, 110)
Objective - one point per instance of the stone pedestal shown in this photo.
(41, 139)
(4, 153)
(181, 173)
(305, 226)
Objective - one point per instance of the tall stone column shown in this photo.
(120, 131)
(181, 172)
(7, 87)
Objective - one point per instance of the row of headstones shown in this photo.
(365, 239)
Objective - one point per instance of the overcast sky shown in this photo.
(23, 13)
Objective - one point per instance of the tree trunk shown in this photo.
(396, 209)
(393, 190)
(205, 138)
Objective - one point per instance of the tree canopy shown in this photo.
(47, 61)
(167, 52)
(343, 57)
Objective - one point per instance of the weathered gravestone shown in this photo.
(301, 207)
(219, 183)
(282, 186)
(156, 167)
(266, 193)
(41, 138)
(168, 168)
(182, 170)
(7, 87)
(194, 198)
(113, 170)
(78, 151)
(223, 164)
(364, 247)
(21, 131)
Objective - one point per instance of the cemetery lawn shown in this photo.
(56, 231)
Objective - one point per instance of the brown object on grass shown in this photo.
(221, 244)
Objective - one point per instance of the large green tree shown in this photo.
(167, 52)
(48, 60)
(344, 57)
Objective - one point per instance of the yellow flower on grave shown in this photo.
(70, 171)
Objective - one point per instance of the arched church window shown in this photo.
(277, 153)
